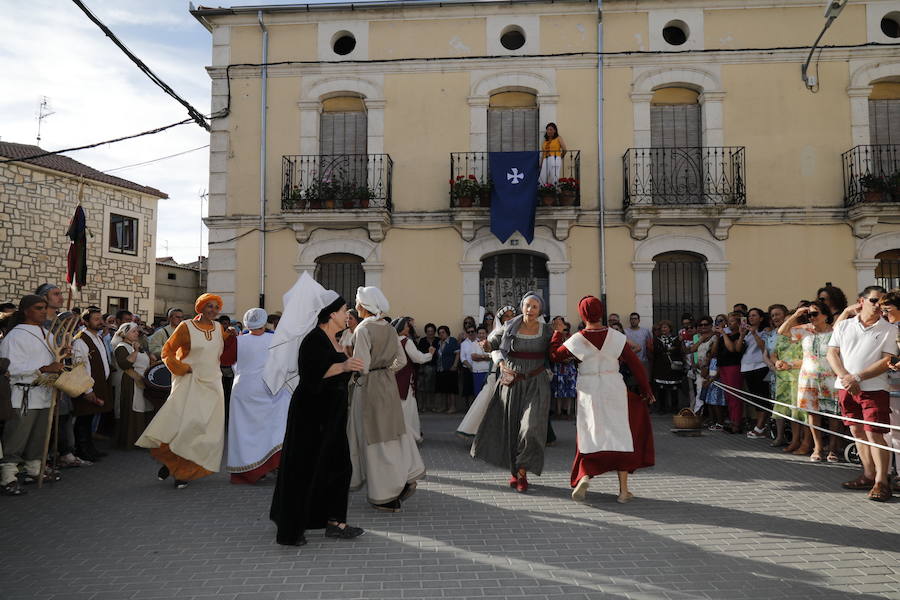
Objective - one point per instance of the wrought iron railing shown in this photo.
(470, 180)
(872, 174)
(684, 176)
(336, 181)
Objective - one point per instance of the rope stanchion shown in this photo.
(741, 393)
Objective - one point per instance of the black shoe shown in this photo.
(392, 506)
(86, 454)
(408, 490)
(180, 485)
(301, 541)
(163, 473)
(345, 533)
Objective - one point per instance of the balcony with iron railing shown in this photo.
(342, 190)
(470, 181)
(871, 174)
(682, 186)
(684, 176)
(470, 190)
(871, 186)
(336, 181)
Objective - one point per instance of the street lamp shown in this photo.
(833, 8)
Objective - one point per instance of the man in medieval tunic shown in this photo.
(90, 349)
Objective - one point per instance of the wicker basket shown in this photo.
(686, 419)
(75, 381)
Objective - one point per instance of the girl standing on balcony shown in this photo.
(552, 152)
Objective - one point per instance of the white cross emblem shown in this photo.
(515, 176)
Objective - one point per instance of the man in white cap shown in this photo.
(257, 417)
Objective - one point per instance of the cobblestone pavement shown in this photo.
(719, 517)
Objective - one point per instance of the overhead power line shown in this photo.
(196, 115)
(94, 145)
(147, 162)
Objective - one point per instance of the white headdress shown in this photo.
(120, 334)
(255, 318)
(373, 300)
(302, 304)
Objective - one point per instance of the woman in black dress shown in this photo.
(314, 478)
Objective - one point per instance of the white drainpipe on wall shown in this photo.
(262, 162)
(601, 175)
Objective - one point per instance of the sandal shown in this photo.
(860, 483)
(880, 492)
(12, 489)
(833, 458)
(815, 457)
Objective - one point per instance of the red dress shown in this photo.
(644, 454)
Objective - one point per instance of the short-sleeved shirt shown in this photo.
(861, 347)
(639, 336)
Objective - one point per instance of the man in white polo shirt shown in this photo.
(859, 352)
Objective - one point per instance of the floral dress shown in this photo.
(786, 381)
(565, 376)
(815, 388)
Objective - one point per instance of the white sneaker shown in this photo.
(756, 434)
(580, 491)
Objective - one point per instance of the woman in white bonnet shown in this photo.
(385, 457)
(135, 411)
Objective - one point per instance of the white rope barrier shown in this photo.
(737, 391)
(741, 393)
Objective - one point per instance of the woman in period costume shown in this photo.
(135, 411)
(513, 432)
(468, 427)
(187, 435)
(614, 430)
(257, 418)
(385, 457)
(406, 377)
(313, 486)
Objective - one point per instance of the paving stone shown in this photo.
(719, 517)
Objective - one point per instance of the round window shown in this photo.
(890, 25)
(343, 43)
(675, 33)
(512, 38)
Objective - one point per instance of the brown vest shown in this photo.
(102, 389)
(406, 375)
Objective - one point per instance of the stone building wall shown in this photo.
(36, 205)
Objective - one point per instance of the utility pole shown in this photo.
(43, 112)
(203, 196)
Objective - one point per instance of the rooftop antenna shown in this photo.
(43, 112)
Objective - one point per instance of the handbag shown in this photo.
(74, 381)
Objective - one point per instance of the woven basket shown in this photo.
(686, 419)
(75, 381)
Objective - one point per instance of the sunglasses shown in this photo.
(874, 300)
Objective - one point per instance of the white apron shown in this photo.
(192, 421)
(602, 396)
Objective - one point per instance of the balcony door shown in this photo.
(342, 273)
(884, 128)
(887, 273)
(343, 141)
(513, 124)
(675, 138)
(680, 285)
(505, 278)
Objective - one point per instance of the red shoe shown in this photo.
(522, 484)
(513, 481)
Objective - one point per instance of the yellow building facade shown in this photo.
(721, 177)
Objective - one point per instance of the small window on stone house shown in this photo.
(122, 234)
(171, 276)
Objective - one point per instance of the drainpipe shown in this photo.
(601, 175)
(262, 161)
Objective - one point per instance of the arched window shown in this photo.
(343, 140)
(342, 273)
(887, 273)
(513, 122)
(675, 139)
(884, 128)
(505, 278)
(680, 285)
